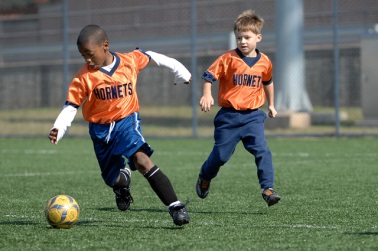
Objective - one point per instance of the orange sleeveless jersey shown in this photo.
(241, 85)
(108, 97)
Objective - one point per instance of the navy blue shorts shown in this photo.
(113, 146)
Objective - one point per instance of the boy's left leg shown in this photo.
(254, 142)
(162, 186)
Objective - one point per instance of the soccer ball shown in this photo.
(62, 211)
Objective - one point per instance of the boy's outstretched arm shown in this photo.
(62, 122)
(182, 75)
(269, 92)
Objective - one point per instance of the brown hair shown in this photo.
(249, 21)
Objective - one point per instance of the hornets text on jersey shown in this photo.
(241, 79)
(108, 96)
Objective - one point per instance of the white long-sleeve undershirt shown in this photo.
(182, 74)
(64, 120)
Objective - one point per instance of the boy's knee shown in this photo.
(110, 182)
(142, 162)
(220, 157)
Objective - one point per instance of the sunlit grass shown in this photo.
(328, 188)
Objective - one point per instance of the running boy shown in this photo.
(105, 87)
(245, 83)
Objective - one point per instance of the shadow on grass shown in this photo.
(112, 209)
(361, 233)
(160, 227)
(27, 223)
(19, 223)
(154, 210)
(107, 209)
(96, 223)
(226, 212)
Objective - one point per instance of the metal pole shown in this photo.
(65, 48)
(289, 73)
(336, 59)
(194, 68)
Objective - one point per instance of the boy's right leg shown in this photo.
(221, 153)
(226, 136)
(122, 190)
(202, 187)
(270, 196)
(209, 171)
(114, 173)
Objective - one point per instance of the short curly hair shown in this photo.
(91, 31)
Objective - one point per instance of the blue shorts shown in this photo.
(113, 146)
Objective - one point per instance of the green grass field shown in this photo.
(328, 188)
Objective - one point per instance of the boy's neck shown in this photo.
(253, 54)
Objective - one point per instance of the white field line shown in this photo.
(275, 154)
(181, 153)
(46, 174)
(29, 151)
(299, 154)
(19, 216)
(34, 151)
(186, 153)
(94, 220)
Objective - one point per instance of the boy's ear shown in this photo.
(259, 37)
(105, 45)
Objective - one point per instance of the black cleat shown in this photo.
(202, 187)
(270, 196)
(122, 195)
(179, 214)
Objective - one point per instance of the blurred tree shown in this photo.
(10, 4)
(8, 7)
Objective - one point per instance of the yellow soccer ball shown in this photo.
(62, 211)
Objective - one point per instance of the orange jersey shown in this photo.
(108, 96)
(241, 79)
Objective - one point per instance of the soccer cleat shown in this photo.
(179, 214)
(122, 195)
(202, 187)
(270, 196)
(123, 198)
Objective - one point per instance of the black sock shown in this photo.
(124, 181)
(161, 185)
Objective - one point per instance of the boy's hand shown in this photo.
(53, 135)
(186, 82)
(272, 112)
(206, 102)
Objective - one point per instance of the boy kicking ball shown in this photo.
(105, 87)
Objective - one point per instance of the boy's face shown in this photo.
(247, 41)
(94, 54)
